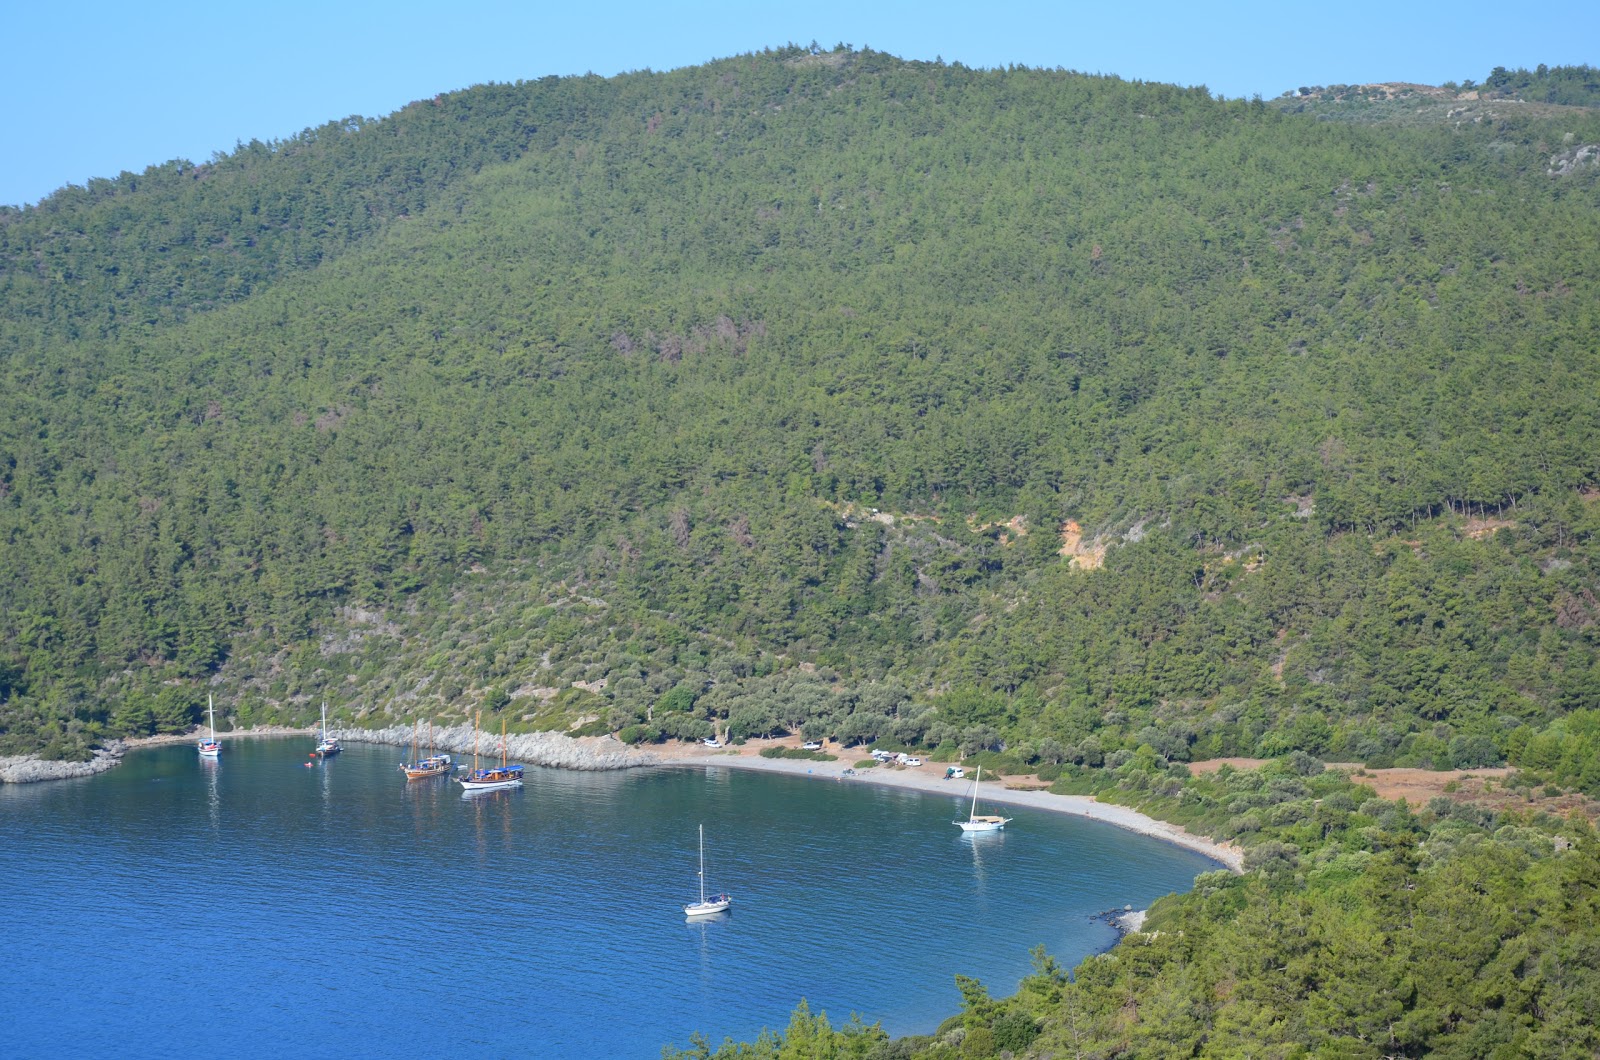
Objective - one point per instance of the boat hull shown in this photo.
(428, 767)
(708, 908)
(492, 780)
(209, 750)
(981, 825)
(499, 785)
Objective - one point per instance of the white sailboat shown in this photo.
(717, 903)
(975, 821)
(210, 747)
(491, 779)
(329, 745)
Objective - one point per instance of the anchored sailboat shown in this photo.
(717, 903)
(975, 821)
(490, 779)
(436, 764)
(210, 747)
(328, 746)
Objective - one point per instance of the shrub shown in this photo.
(637, 734)
(1304, 765)
(1272, 857)
(1015, 1031)
(795, 752)
(66, 749)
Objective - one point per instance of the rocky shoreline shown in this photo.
(29, 769)
(553, 749)
(1126, 920)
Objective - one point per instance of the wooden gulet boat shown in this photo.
(492, 779)
(435, 765)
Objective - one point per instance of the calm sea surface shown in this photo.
(254, 906)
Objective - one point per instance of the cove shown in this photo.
(257, 905)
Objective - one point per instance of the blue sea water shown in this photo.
(255, 906)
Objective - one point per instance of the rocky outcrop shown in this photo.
(1569, 162)
(25, 769)
(532, 748)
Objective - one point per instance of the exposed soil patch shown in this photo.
(1211, 765)
(1417, 786)
(1484, 787)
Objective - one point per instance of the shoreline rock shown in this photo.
(1125, 921)
(29, 769)
(553, 749)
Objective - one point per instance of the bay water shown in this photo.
(268, 904)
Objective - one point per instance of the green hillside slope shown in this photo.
(698, 314)
(1085, 426)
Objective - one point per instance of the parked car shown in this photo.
(712, 741)
(908, 760)
(811, 745)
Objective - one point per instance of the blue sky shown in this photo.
(95, 88)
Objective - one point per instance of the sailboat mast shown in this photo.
(414, 724)
(211, 715)
(477, 726)
(502, 743)
(702, 864)
(975, 778)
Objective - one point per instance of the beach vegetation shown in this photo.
(798, 753)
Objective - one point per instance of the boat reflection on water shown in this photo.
(979, 842)
(701, 929)
(488, 796)
(491, 812)
(212, 768)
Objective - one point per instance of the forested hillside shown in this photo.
(1323, 400)
(1090, 426)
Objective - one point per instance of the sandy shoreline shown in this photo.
(929, 779)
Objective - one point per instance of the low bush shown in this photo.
(637, 734)
(795, 752)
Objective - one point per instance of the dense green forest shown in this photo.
(1092, 427)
